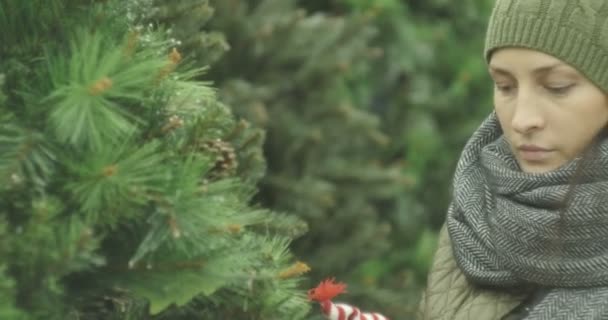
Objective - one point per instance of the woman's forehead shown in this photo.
(528, 60)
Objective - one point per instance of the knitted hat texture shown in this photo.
(574, 31)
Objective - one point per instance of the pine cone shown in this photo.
(226, 162)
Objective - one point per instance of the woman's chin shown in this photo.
(539, 166)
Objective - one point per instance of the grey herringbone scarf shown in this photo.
(512, 229)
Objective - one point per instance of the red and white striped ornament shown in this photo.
(326, 291)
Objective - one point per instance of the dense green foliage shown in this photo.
(290, 73)
(366, 105)
(142, 182)
(124, 183)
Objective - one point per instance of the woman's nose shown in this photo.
(528, 115)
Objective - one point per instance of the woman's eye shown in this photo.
(504, 88)
(559, 89)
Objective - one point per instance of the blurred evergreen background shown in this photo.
(349, 117)
(366, 105)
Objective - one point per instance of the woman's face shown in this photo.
(549, 112)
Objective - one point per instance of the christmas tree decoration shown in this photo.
(326, 291)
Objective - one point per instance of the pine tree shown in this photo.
(125, 185)
(297, 75)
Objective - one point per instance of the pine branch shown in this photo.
(115, 178)
(186, 21)
(25, 158)
(138, 207)
(44, 249)
(8, 309)
(187, 213)
(93, 84)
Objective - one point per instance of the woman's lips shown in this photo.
(533, 153)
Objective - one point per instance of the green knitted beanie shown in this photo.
(574, 31)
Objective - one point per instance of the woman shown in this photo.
(526, 235)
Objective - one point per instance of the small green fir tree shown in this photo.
(125, 185)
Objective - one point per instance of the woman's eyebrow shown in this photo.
(498, 70)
